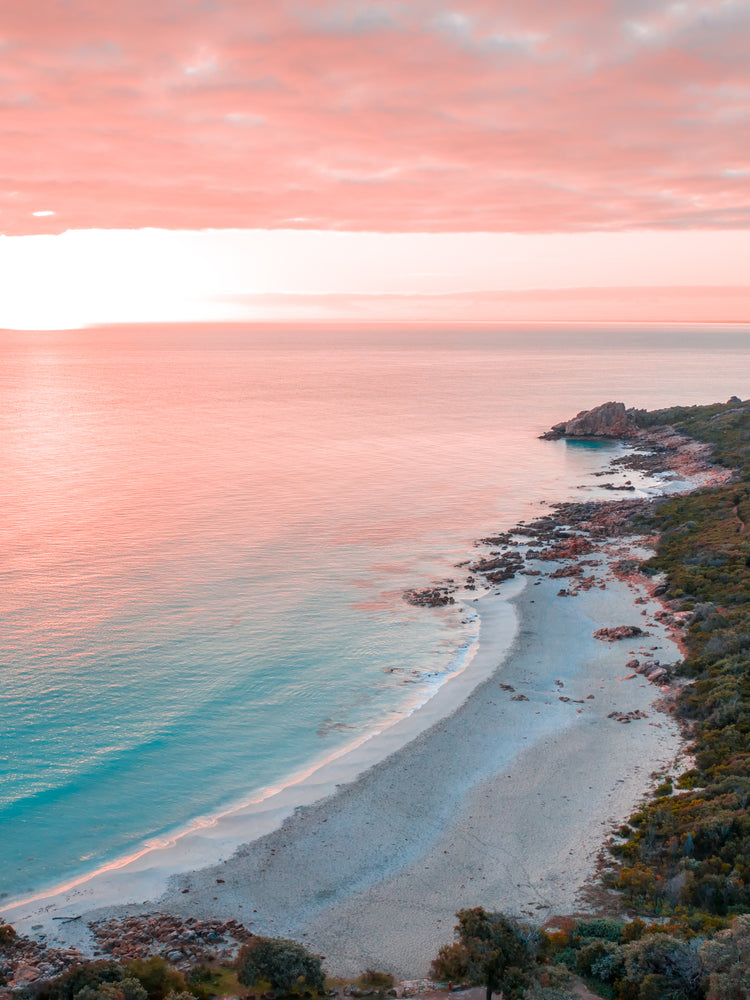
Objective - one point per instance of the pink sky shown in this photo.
(533, 117)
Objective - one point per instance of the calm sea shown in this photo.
(205, 534)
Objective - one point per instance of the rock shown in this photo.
(627, 716)
(505, 560)
(609, 420)
(569, 548)
(633, 665)
(561, 571)
(500, 576)
(617, 632)
(429, 598)
(25, 973)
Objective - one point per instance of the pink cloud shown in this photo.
(588, 115)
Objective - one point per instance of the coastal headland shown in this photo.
(506, 802)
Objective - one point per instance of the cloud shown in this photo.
(421, 116)
(648, 304)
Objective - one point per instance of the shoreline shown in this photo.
(349, 880)
(208, 841)
(503, 804)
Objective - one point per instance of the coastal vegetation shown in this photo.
(686, 852)
(280, 965)
(617, 960)
(140, 979)
(491, 950)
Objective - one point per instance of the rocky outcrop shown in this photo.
(618, 632)
(432, 597)
(568, 548)
(178, 941)
(26, 963)
(610, 420)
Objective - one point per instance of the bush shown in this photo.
(633, 930)
(676, 963)
(157, 977)
(598, 927)
(7, 935)
(591, 953)
(84, 976)
(285, 965)
(603, 960)
(727, 961)
(124, 989)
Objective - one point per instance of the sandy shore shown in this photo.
(504, 803)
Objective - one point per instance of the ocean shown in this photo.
(207, 531)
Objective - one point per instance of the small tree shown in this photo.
(285, 965)
(492, 950)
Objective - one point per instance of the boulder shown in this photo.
(618, 632)
(609, 420)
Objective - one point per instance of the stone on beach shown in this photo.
(617, 632)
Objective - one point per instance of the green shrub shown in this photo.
(285, 965)
(598, 927)
(158, 978)
(124, 989)
(80, 977)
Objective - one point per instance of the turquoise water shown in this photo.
(206, 533)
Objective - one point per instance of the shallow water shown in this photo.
(206, 533)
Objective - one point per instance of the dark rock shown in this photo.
(572, 570)
(429, 598)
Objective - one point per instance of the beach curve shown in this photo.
(504, 803)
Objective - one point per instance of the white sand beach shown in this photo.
(499, 802)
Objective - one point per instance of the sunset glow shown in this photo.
(540, 119)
